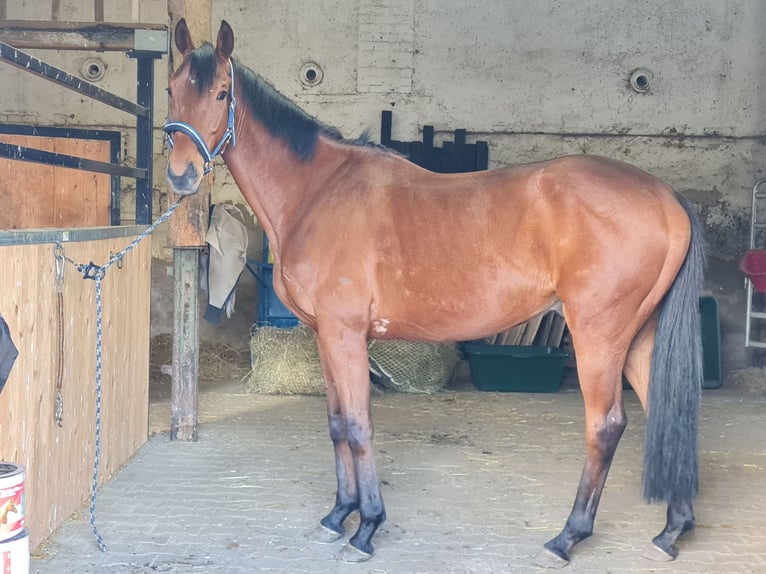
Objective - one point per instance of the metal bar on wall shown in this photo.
(22, 153)
(30, 63)
(144, 134)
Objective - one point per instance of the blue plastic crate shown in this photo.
(270, 311)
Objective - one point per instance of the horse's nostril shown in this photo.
(186, 182)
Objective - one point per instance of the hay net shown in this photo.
(412, 367)
(286, 361)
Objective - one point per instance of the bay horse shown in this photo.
(369, 245)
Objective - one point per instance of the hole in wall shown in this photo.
(93, 69)
(311, 74)
(641, 80)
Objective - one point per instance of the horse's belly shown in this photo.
(458, 320)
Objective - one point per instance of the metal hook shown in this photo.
(58, 254)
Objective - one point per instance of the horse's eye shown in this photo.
(221, 95)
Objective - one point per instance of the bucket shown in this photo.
(11, 500)
(753, 264)
(14, 554)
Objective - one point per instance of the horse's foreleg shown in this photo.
(605, 422)
(347, 498)
(344, 352)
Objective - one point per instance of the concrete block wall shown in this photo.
(536, 79)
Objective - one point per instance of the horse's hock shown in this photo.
(59, 459)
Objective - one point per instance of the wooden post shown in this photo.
(183, 397)
(186, 234)
(189, 224)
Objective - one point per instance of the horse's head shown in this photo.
(201, 110)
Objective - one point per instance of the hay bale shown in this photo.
(285, 362)
(217, 361)
(412, 367)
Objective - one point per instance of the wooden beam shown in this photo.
(189, 227)
(185, 368)
(98, 10)
(62, 35)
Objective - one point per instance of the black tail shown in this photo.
(670, 444)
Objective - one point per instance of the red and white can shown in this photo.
(12, 501)
(14, 554)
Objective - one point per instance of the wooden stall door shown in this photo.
(38, 196)
(59, 460)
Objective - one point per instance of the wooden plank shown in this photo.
(59, 460)
(98, 10)
(65, 35)
(532, 326)
(543, 333)
(25, 208)
(44, 196)
(81, 198)
(511, 336)
(557, 331)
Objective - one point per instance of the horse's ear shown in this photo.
(183, 38)
(224, 46)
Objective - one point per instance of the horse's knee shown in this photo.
(359, 436)
(337, 426)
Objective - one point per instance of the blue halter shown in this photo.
(172, 127)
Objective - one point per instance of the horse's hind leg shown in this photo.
(680, 520)
(605, 422)
(680, 513)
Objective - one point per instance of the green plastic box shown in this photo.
(510, 368)
(711, 342)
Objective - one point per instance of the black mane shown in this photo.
(281, 117)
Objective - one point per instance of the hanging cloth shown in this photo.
(227, 237)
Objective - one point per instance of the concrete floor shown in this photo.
(473, 482)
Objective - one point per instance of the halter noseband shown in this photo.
(172, 127)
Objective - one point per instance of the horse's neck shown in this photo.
(275, 183)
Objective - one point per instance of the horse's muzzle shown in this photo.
(185, 184)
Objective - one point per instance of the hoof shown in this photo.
(351, 555)
(657, 554)
(549, 559)
(323, 535)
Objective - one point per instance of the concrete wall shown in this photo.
(535, 79)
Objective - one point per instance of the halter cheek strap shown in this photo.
(228, 136)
